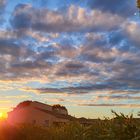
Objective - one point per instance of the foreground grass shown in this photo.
(120, 128)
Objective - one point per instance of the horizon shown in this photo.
(4, 115)
(81, 54)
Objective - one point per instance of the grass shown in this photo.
(121, 127)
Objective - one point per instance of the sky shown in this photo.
(83, 54)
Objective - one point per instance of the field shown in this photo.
(121, 127)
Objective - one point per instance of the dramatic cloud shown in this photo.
(72, 48)
(73, 20)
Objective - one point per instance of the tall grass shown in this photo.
(121, 127)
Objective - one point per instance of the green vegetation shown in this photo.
(121, 127)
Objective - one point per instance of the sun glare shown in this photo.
(3, 115)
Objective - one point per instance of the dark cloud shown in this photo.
(49, 53)
(74, 69)
(69, 90)
(30, 65)
(73, 20)
(9, 47)
(2, 5)
(121, 7)
(128, 72)
(120, 97)
(112, 105)
(93, 57)
(81, 88)
(60, 4)
(125, 92)
(74, 65)
(12, 52)
(21, 19)
(99, 48)
(2, 10)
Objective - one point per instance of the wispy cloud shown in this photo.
(113, 105)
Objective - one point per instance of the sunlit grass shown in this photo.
(121, 127)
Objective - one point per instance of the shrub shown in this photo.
(121, 127)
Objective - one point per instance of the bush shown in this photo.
(121, 127)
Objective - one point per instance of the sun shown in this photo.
(3, 115)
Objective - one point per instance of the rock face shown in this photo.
(33, 112)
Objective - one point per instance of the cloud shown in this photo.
(30, 65)
(71, 68)
(7, 86)
(73, 20)
(2, 10)
(80, 88)
(98, 54)
(125, 92)
(113, 105)
(119, 97)
(120, 7)
(132, 31)
(2, 4)
(69, 90)
(94, 60)
(12, 52)
(94, 49)
(9, 47)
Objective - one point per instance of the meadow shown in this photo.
(121, 127)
